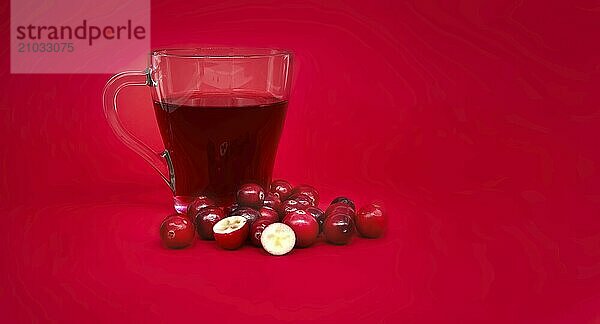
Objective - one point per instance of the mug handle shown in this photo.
(161, 162)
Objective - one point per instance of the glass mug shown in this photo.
(220, 112)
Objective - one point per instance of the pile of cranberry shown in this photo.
(278, 220)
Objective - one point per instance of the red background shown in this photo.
(477, 123)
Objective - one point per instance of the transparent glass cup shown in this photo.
(220, 112)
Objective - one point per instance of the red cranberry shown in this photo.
(230, 208)
(268, 213)
(281, 188)
(290, 206)
(199, 203)
(303, 200)
(344, 200)
(371, 221)
(206, 219)
(248, 213)
(318, 214)
(273, 201)
(305, 227)
(310, 191)
(231, 232)
(177, 232)
(257, 228)
(250, 195)
(339, 207)
(338, 228)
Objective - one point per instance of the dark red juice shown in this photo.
(219, 141)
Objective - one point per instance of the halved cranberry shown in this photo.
(318, 214)
(305, 227)
(310, 191)
(206, 219)
(177, 231)
(344, 200)
(371, 221)
(231, 232)
(199, 203)
(273, 201)
(250, 195)
(268, 213)
(338, 228)
(257, 228)
(281, 188)
(248, 213)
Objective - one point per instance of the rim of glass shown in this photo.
(219, 52)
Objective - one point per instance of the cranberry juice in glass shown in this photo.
(218, 141)
(220, 112)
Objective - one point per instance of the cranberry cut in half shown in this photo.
(257, 228)
(278, 239)
(198, 203)
(371, 221)
(345, 201)
(231, 232)
(310, 191)
(177, 232)
(250, 195)
(206, 219)
(268, 213)
(250, 214)
(305, 227)
(281, 188)
(338, 228)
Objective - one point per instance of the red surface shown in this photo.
(476, 123)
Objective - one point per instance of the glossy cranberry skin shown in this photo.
(339, 207)
(257, 228)
(250, 195)
(250, 214)
(338, 228)
(177, 232)
(228, 209)
(199, 203)
(290, 206)
(345, 201)
(281, 188)
(371, 221)
(318, 214)
(310, 191)
(303, 200)
(305, 227)
(273, 201)
(205, 219)
(268, 213)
